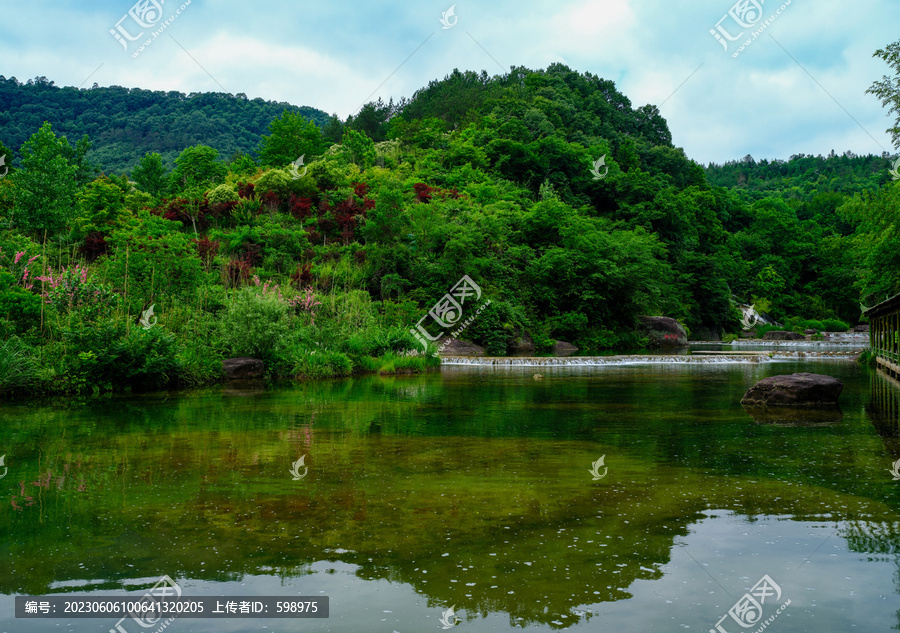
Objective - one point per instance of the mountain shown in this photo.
(126, 123)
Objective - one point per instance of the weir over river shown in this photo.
(620, 493)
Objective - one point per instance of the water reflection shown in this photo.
(471, 489)
(795, 416)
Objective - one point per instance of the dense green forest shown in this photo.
(124, 124)
(571, 209)
(802, 176)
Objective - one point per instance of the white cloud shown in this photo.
(332, 56)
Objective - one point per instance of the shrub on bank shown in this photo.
(17, 367)
(108, 355)
(835, 325)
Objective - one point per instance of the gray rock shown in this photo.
(244, 368)
(795, 390)
(809, 331)
(561, 348)
(663, 331)
(863, 327)
(782, 335)
(449, 346)
(519, 344)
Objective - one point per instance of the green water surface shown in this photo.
(469, 488)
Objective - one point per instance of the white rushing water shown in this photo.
(647, 359)
(858, 340)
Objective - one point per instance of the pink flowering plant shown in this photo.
(20, 308)
(19, 268)
(304, 303)
(73, 289)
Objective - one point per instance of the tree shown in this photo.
(372, 119)
(291, 136)
(360, 147)
(197, 168)
(876, 243)
(101, 208)
(333, 130)
(77, 157)
(44, 195)
(242, 165)
(150, 174)
(888, 89)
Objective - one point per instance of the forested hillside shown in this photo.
(569, 207)
(802, 176)
(126, 123)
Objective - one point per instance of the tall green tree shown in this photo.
(101, 208)
(876, 242)
(291, 136)
(333, 130)
(45, 187)
(360, 148)
(150, 175)
(888, 89)
(197, 168)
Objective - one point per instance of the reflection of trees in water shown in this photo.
(883, 409)
(879, 540)
(870, 537)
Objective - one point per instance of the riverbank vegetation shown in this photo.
(318, 252)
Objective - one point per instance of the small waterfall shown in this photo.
(857, 340)
(646, 359)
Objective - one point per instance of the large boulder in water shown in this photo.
(561, 348)
(783, 335)
(244, 368)
(663, 331)
(520, 343)
(794, 390)
(449, 346)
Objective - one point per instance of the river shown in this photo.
(477, 488)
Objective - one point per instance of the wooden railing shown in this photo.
(884, 334)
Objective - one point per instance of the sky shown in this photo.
(799, 87)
